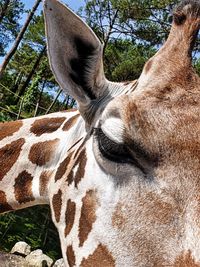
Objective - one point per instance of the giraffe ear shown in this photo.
(75, 53)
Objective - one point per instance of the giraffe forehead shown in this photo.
(163, 121)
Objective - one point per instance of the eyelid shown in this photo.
(109, 127)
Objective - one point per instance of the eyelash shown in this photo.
(118, 153)
(111, 150)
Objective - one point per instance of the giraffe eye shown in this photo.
(123, 153)
(111, 150)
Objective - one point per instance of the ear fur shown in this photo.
(75, 53)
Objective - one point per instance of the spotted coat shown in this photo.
(121, 175)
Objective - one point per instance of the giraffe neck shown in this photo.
(49, 160)
(79, 203)
(30, 151)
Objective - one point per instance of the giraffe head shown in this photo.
(145, 142)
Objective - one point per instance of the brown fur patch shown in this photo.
(134, 85)
(159, 211)
(62, 167)
(81, 162)
(9, 128)
(4, 206)
(118, 218)
(100, 257)
(23, 187)
(74, 144)
(88, 215)
(186, 260)
(147, 245)
(79, 149)
(9, 155)
(57, 204)
(42, 152)
(69, 216)
(44, 180)
(81, 168)
(47, 125)
(71, 122)
(71, 256)
(70, 177)
(127, 82)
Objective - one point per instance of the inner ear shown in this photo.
(80, 65)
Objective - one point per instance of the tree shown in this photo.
(141, 20)
(28, 64)
(10, 14)
(131, 30)
(124, 60)
(18, 39)
(4, 8)
(31, 73)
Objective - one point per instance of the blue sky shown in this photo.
(73, 4)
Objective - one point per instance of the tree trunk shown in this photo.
(20, 109)
(39, 99)
(52, 104)
(17, 82)
(26, 83)
(18, 39)
(66, 102)
(3, 9)
(72, 103)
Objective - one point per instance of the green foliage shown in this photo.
(23, 60)
(31, 94)
(197, 66)
(141, 20)
(32, 225)
(35, 36)
(9, 23)
(28, 74)
(125, 60)
(4, 116)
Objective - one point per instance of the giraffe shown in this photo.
(121, 174)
